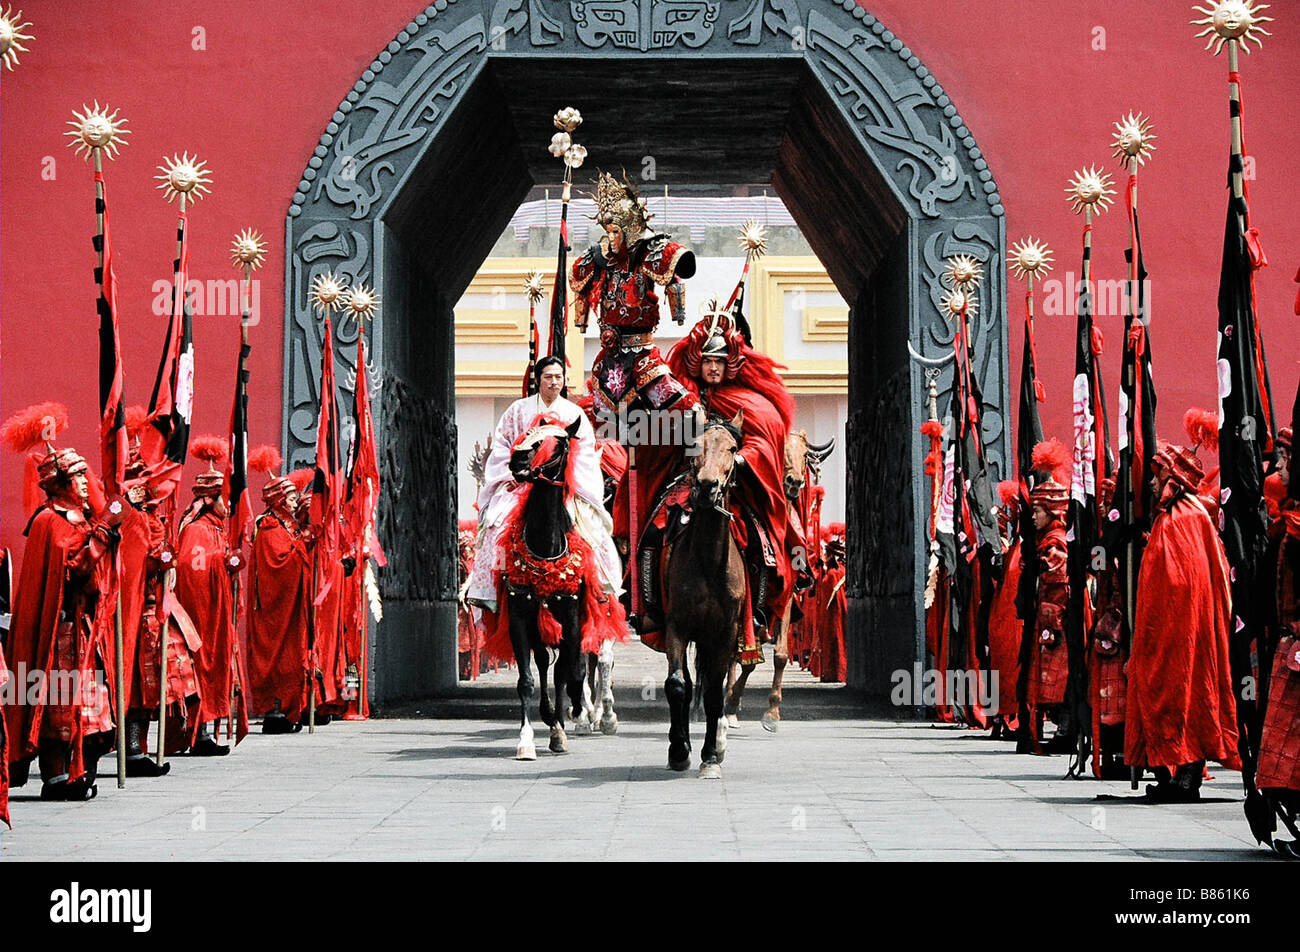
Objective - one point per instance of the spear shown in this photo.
(180, 178)
(96, 131)
(1133, 146)
(573, 155)
(247, 254)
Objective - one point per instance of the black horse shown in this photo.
(535, 612)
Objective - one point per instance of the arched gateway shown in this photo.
(421, 167)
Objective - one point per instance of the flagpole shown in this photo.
(95, 131)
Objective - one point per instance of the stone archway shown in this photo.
(427, 156)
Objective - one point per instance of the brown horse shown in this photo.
(803, 461)
(703, 592)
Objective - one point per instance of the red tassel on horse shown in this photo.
(548, 626)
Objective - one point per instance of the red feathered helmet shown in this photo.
(57, 467)
(1284, 439)
(1180, 463)
(212, 450)
(715, 335)
(836, 533)
(1051, 495)
(51, 469)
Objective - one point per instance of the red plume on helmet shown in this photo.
(25, 431)
(136, 417)
(1202, 428)
(210, 449)
(1053, 457)
(265, 459)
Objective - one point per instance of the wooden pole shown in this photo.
(119, 664)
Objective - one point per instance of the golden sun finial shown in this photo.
(184, 175)
(963, 272)
(1031, 258)
(753, 239)
(248, 250)
(328, 293)
(1226, 20)
(362, 301)
(534, 286)
(97, 128)
(1090, 188)
(11, 36)
(1134, 138)
(957, 300)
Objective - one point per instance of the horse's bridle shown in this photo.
(737, 438)
(529, 444)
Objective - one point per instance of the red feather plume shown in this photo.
(210, 449)
(1009, 491)
(265, 459)
(1054, 457)
(39, 423)
(1202, 428)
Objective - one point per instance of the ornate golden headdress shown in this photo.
(617, 203)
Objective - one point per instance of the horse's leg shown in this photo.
(568, 668)
(677, 688)
(519, 641)
(605, 678)
(780, 655)
(584, 719)
(734, 695)
(713, 674)
(543, 658)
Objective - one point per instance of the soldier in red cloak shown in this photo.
(279, 599)
(727, 377)
(1277, 774)
(1181, 710)
(204, 567)
(1049, 663)
(1005, 628)
(60, 635)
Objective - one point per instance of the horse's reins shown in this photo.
(737, 437)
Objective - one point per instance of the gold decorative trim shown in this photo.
(771, 279)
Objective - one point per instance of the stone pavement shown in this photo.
(439, 782)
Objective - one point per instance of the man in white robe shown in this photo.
(501, 494)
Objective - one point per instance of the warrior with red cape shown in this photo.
(61, 630)
(1181, 711)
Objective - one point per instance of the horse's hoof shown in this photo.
(609, 724)
(526, 752)
(711, 771)
(583, 728)
(771, 723)
(559, 742)
(1287, 849)
(733, 722)
(679, 765)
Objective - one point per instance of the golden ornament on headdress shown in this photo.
(328, 293)
(567, 119)
(362, 301)
(956, 300)
(534, 286)
(1090, 188)
(1134, 138)
(617, 203)
(248, 250)
(97, 128)
(1031, 258)
(963, 272)
(1226, 20)
(11, 36)
(184, 175)
(753, 239)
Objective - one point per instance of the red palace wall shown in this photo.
(1039, 84)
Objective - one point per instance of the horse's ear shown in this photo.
(739, 419)
(573, 428)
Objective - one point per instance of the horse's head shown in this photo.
(802, 458)
(542, 454)
(715, 464)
